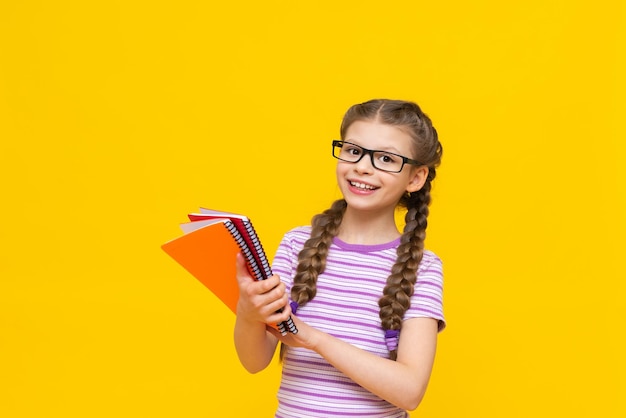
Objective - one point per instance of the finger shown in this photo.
(271, 301)
(279, 309)
(271, 284)
(241, 269)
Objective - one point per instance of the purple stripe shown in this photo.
(350, 308)
(333, 320)
(341, 322)
(371, 398)
(314, 363)
(345, 290)
(311, 361)
(360, 324)
(429, 283)
(342, 283)
(420, 293)
(299, 407)
(378, 277)
(349, 277)
(430, 272)
(340, 398)
(433, 298)
(386, 263)
(282, 258)
(358, 309)
(300, 378)
(431, 313)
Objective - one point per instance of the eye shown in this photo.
(352, 150)
(388, 158)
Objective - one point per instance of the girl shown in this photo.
(367, 300)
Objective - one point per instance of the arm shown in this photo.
(257, 306)
(402, 382)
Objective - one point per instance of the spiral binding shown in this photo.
(284, 326)
(258, 249)
(291, 327)
(241, 242)
(251, 260)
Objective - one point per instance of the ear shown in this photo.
(417, 179)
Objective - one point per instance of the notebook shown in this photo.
(208, 249)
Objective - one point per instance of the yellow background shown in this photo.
(117, 118)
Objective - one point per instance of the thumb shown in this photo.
(243, 275)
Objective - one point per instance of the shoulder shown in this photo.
(299, 232)
(430, 261)
(430, 273)
(297, 236)
(286, 257)
(294, 239)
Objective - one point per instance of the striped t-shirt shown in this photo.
(346, 306)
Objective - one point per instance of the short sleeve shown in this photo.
(427, 299)
(286, 259)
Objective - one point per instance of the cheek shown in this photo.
(340, 170)
(400, 183)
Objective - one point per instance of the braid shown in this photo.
(312, 257)
(400, 285)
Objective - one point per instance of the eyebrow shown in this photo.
(385, 149)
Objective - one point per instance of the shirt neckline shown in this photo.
(366, 248)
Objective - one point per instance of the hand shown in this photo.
(307, 336)
(260, 300)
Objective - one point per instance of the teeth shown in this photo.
(361, 185)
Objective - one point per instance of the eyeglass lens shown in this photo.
(380, 159)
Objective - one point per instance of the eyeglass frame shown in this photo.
(405, 160)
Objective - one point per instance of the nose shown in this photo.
(366, 163)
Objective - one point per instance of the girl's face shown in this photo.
(366, 188)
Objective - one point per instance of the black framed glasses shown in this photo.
(381, 160)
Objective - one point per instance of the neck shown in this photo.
(367, 228)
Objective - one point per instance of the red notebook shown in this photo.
(208, 249)
(244, 234)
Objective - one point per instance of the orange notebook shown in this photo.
(208, 249)
(208, 253)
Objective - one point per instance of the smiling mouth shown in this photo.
(362, 186)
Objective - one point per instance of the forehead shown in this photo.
(379, 136)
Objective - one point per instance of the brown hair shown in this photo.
(400, 283)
